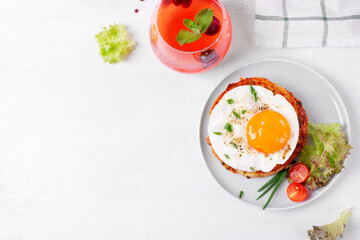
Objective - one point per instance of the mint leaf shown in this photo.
(191, 25)
(185, 36)
(204, 19)
(202, 22)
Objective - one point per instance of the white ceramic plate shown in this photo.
(321, 102)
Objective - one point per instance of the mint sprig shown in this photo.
(204, 18)
(191, 25)
(202, 22)
(185, 36)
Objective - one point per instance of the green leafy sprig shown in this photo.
(202, 22)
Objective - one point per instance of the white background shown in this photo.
(90, 150)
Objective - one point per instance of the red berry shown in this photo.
(165, 3)
(214, 27)
(136, 10)
(186, 3)
(183, 3)
(208, 57)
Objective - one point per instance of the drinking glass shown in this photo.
(197, 56)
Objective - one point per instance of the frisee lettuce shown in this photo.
(114, 43)
(326, 156)
(332, 230)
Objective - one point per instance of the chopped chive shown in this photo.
(228, 127)
(273, 179)
(235, 146)
(241, 193)
(253, 92)
(268, 189)
(243, 111)
(278, 183)
(217, 133)
(236, 115)
(252, 169)
(230, 101)
(227, 156)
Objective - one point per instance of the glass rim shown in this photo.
(222, 7)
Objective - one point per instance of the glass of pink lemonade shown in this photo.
(200, 55)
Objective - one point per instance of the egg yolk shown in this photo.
(268, 131)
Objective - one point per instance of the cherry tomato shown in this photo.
(299, 173)
(296, 192)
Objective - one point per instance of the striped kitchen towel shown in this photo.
(307, 23)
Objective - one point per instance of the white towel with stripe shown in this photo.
(307, 23)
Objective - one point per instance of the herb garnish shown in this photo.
(227, 156)
(252, 169)
(236, 115)
(276, 177)
(253, 92)
(230, 101)
(202, 22)
(217, 133)
(271, 182)
(228, 127)
(243, 111)
(235, 146)
(241, 193)
(274, 182)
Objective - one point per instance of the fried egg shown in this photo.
(251, 135)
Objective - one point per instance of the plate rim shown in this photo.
(342, 106)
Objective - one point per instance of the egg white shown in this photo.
(244, 157)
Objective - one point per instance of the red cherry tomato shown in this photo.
(299, 173)
(296, 192)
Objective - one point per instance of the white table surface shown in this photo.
(97, 151)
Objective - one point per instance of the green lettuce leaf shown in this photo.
(332, 230)
(114, 43)
(326, 156)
